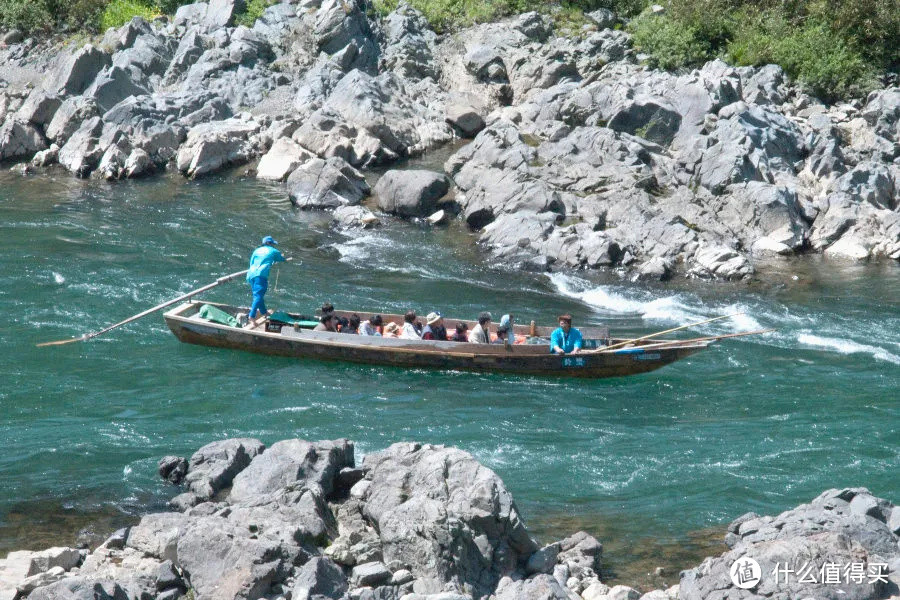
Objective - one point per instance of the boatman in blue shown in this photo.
(261, 262)
(565, 339)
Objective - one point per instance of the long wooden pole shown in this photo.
(658, 333)
(705, 339)
(89, 336)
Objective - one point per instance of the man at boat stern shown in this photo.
(565, 339)
(261, 262)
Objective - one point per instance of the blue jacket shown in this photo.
(566, 342)
(262, 260)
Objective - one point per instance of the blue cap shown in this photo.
(269, 240)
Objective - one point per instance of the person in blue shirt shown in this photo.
(565, 339)
(261, 262)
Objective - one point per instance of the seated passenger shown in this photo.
(481, 333)
(352, 325)
(508, 321)
(462, 333)
(371, 326)
(409, 328)
(434, 327)
(565, 339)
(326, 323)
(502, 335)
(392, 330)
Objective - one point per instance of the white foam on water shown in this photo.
(59, 279)
(677, 309)
(845, 346)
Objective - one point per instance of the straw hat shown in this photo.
(433, 317)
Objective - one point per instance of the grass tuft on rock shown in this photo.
(120, 12)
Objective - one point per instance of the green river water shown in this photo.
(655, 465)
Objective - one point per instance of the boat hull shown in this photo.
(327, 346)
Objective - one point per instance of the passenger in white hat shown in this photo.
(434, 327)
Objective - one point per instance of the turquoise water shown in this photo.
(652, 463)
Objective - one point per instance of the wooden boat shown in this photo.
(282, 339)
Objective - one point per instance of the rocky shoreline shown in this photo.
(302, 520)
(581, 156)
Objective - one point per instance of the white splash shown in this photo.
(59, 279)
(844, 346)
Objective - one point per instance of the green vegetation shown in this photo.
(119, 12)
(836, 49)
(254, 10)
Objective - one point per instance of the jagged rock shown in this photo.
(189, 50)
(326, 183)
(138, 163)
(172, 468)
(291, 461)
(371, 574)
(410, 193)
(543, 561)
(82, 152)
(190, 14)
(221, 13)
(39, 107)
(318, 579)
(79, 71)
(848, 248)
(828, 529)
(47, 157)
(125, 36)
(602, 17)
(18, 139)
(413, 524)
(282, 159)
(539, 587)
(213, 467)
(464, 112)
(111, 87)
(869, 182)
(342, 29)
(69, 117)
(211, 146)
(379, 120)
(354, 216)
(719, 261)
(650, 118)
(409, 44)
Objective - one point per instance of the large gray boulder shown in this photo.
(221, 13)
(444, 516)
(77, 73)
(539, 587)
(650, 118)
(282, 159)
(212, 146)
(410, 193)
(19, 139)
(290, 462)
(839, 527)
(327, 183)
(82, 152)
(111, 87)
(69, 117)
(39, 107)
(213, 467)
(319, 579)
